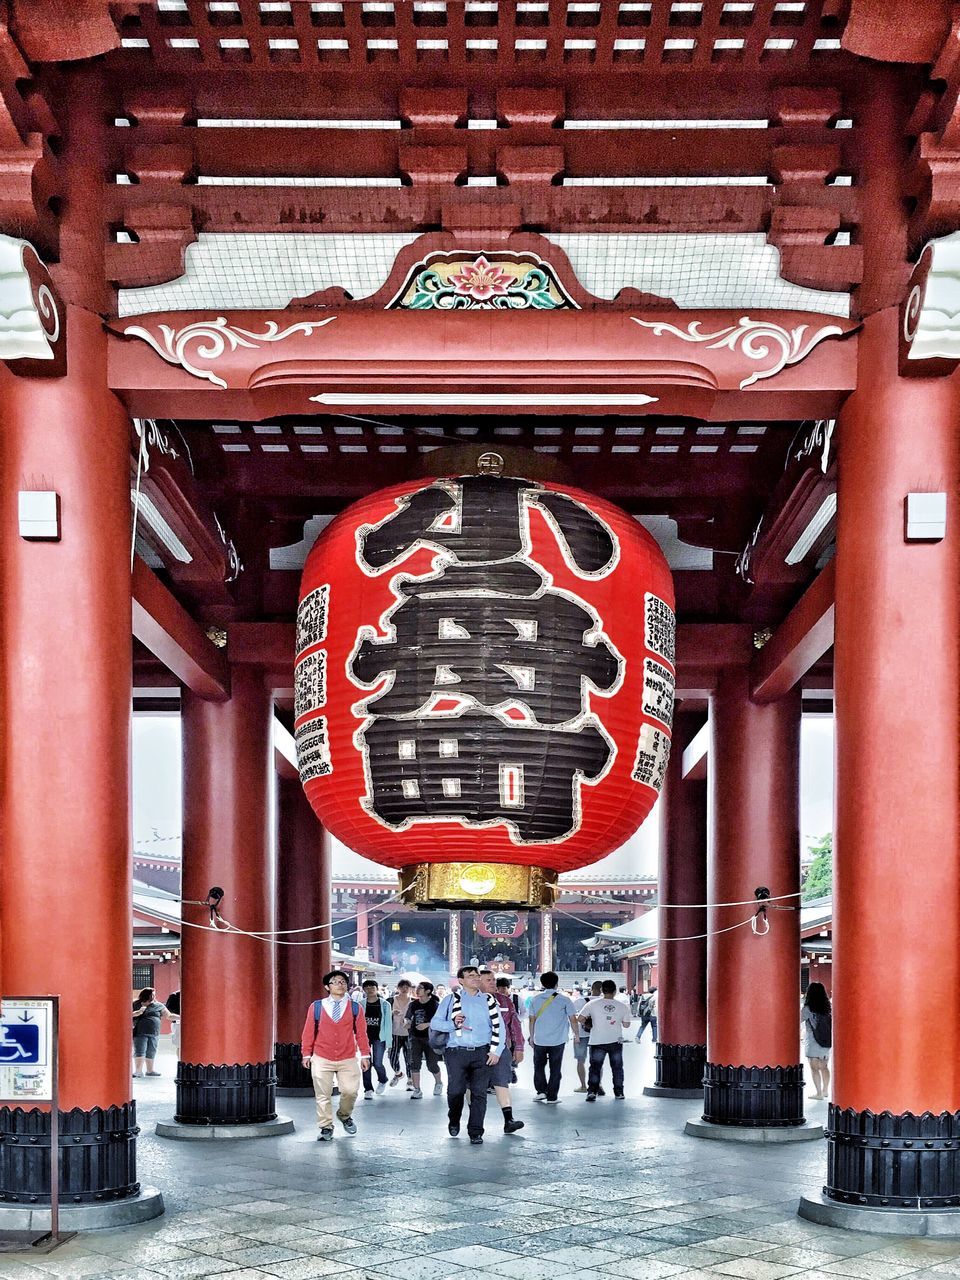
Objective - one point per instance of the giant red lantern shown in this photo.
(484, 683)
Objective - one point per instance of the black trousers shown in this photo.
(546, 1068)
(597, 1054)
(467, 1069)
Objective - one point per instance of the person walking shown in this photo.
(400, 1006)
(645, 1007)
(334, 1034)
(421, 1011)
(378, 1017)
(816, 1022)
(501, 1076)
(607, 1016)
(552, 1016)
(173, 1008)
(147, 1012)
(581, 1043)
(474, 1025)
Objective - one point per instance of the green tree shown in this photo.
(818, 882)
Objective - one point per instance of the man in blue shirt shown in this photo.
(475, 1026)
(552, 1016)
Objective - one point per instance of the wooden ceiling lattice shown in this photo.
(552, 35)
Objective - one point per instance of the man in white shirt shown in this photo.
(608, 1017)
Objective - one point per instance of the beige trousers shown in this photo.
(347, 1072)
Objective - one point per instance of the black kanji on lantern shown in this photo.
(481, 712)
(493, 649)
(478, 770)
(482, 519)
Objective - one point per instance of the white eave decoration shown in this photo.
(931, 317)
(29, 314)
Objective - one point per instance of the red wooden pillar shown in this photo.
(363, 922)
(753, 1076)
(65, 869)
(682, 965)
(303, 900)
(897, 846)
(226, 1074)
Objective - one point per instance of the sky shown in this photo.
(156, 795)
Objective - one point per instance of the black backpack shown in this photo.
(821, 1024)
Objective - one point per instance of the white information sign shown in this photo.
(26, 1062)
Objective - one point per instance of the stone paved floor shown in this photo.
(592, 1191)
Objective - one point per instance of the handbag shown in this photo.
(438, 1040)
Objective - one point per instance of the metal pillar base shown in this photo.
(205, 1132)
(226, 1094)
(884, 1222)
(804, 1132)
(680, 1066)
(753, 1097)
(293, 1078)
(889, 1160)
(663, 1091)
(147, 1204)
(98, 1156)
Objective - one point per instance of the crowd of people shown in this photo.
(475, 1033)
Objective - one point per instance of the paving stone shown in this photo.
(870, 1267)
(752, 1269)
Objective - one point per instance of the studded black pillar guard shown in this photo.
(754, 1097)
(291, 1073)
(98, 1155)
(680, 1066)
(227, 1093)
(888, 1161)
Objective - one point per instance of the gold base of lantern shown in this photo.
(494, 884)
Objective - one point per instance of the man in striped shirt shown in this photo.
(475, 1026)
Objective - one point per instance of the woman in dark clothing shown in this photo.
(147, 1012)
(419, 1014)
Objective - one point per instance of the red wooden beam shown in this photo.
(802, 638)
(162, 624)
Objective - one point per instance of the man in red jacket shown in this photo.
(334, 1033)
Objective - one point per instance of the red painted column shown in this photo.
(303, 900)
(682, 966)
(753, 1075)
(363, 922)
(897, 838)
(65, 870)
(226, 1072)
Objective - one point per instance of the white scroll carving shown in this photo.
(768, 344)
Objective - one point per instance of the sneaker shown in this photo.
(476, 1141)
(552, 1102)
(591, 1097)
(368, 1095)
(409, 1086)
(438, 1088)
(581, 1088)
(416, 1095)
(453, 1130)
(601, 1092)
(511, 1126)
(326, 1135)
(381, 1086)
(541, 1097)
(154, 1073)
(349, 1126)
(618, 1095)
(396, 1080)
(138, 1075)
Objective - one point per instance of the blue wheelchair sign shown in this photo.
(19, 1043)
